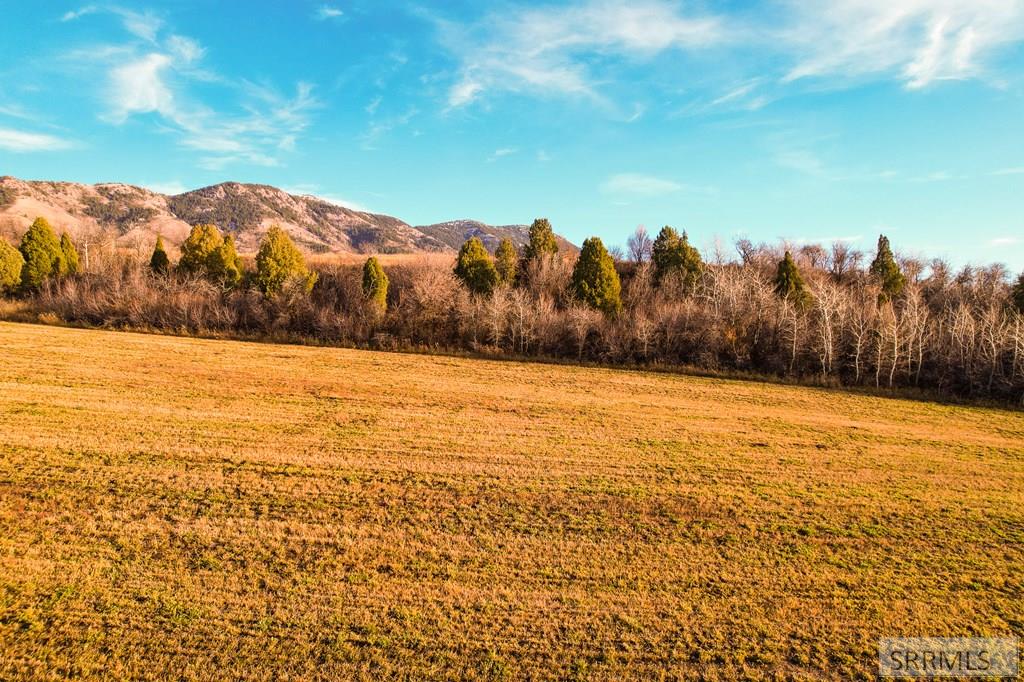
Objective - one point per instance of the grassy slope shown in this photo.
(209, 509)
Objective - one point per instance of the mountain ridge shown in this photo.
(131, 215)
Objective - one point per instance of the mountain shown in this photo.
(454, 232)
(133, 216)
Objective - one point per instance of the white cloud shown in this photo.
(545, 50)
(156, 81)
(152, 72)
(379, 129)
(464, 92)
(737, 92)
(145, 25)
(17, 111)
(500, 153)
(185, 49)
(20, 141)
(936, 176)
(1004, 241)
(139, 87)
(638, 185)
(325, 12)
(313, 190)
(638, 112)
(344, 203)
(802, 161)
(919, 41)
(170, 188)
(76, 14)
(574, 50)
(744, 96)
(1017, 170)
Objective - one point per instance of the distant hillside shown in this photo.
(135, 215)
(454, 232)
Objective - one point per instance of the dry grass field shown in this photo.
(188, 509)
(386, 259)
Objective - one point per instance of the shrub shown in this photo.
(278, 261)
(789, 284)
(594, 279)
(474, 267)
(70, 255)
(11, 263)
(506, 262)
(7, 196)
(672, 254)
(542, 240)
(1017, 295)
(42, 254)
(886, 271)
(159, 262)
(375, 284)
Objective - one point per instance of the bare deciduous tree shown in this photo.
(639, 245)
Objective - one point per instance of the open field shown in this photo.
(386, 259)
(192, 509)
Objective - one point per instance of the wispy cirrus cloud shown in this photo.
(71, 15)
(639, 185)
(155, 78)
(21, 141)
(382, 126)
(142, 24)
(326, 12)
(917, 41)
(170, 188)
(554, 49)
(501, 153)
(316, 191)
(544, 50)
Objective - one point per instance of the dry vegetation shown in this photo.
(178, 508)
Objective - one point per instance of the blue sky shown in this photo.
(785, 119)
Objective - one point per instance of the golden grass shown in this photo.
(192, 509)
(386, 259)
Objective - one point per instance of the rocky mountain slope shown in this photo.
(133, 216)
(454, 232)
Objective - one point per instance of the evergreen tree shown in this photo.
(159, 262)
(1017, 295)
(375, 284)
(474, 267)
(206, 252)
(542, 240)
(225, 264)
(886, 271)
(789, 284)
(11, 263)
(278, 261)
(594, 279)
(201, 250)
(506, 261)
(70, 255)
(41, 251)
(671, 253)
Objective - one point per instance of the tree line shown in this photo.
(807, 312)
